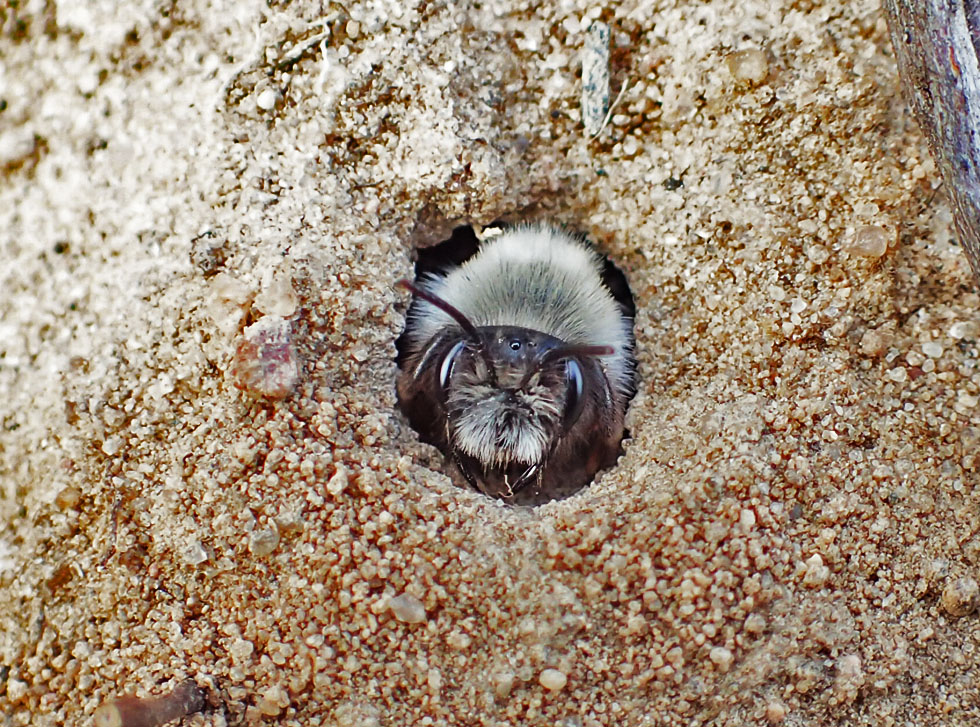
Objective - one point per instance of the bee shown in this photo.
(517, 362)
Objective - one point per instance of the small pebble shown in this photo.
(755, 623)
(898, 374)
(876, 342)
(816, 572)
(502, 682)
(775, 712)
(960, 597)
(553, 680)
(241, 649)
(278, 297)
(932, 349)
(338, 481)
(962, 329)
(273, 701)
(970, 437)
(434, 680)
(266, 100)
(965, 402)
(748, 66)
(68, 498)
(408, 608)
(112, 445)
(195, 553)
(850, 677)
(817, 254)
(868, 241)
(721, 657)
(264, 542)
(265, 363)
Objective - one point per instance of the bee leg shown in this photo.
(470, 479)
(525, 479)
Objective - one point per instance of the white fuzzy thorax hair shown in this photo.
(532, 277)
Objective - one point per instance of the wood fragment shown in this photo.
(936, 44)
(129, 711)
(595, 78)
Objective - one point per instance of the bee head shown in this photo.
(525, 373)
(509, 392)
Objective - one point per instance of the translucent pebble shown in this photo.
(875, 342)
(721, 657)
(434, 680)
(112, 445)
(961, 330)
(897, 374)
(755, 623)
(241, 649)
(17, 690)
(817, 254)
(264, 542)
(224, 287)
(16, 145)
(265, 361)
(273, 701)
(816, 572)
(748, 66)
(849, 670)
(195, 553)
(357, 714)
(553, 680)
(932, 349)
(278, 297)
(408, 608)
(338, 481)
(503, 682)
(775, 712)
(868, 241)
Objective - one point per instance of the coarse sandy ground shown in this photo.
(792, 534)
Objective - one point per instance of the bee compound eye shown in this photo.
(446, 369)
(576, 387)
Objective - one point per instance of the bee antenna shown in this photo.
(457, 315)
(571, 351)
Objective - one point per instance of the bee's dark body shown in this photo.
(524, 415)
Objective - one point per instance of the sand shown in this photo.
(203, 473)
